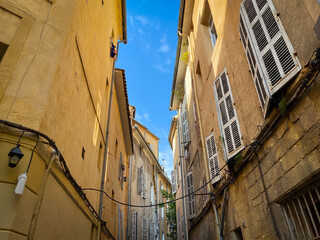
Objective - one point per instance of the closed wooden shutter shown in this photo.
(213, 159)
(227, 116)
(134, 225)
(191, 200)
(269, 52)
(144, 228)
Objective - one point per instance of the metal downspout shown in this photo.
(267, 197)
(129, 197)
(105, 157)
(182, 185)
(216, 214)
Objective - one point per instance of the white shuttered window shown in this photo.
(134, 225)
(152, 235)
(144, 228)
(141, 182)
(184, 122)
(269, 52)
(213, 158)
(190, 198)
(227, 116)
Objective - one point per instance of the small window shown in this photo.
(302, 213)
(144, 228)
(212, 32)
(212, 155)
(190, 199)
(3, 49)
(228, 120)
(83, 153)
(134, 225)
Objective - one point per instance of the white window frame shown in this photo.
(141, 180)
(213, 158)
(212, 31)
(232, 123)
(134, 225)
(144, 228)
(191, 205)
(301, 213)
(184, 122)
(266, 82)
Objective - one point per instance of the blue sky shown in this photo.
(148, 59)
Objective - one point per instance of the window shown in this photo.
(134, 225)
(229, 125)
(173, 180)
(269, 52)
(3, 49)
(190, 198)
(204, 196)
(212, 31)
(184, 122)
(152, 235)
(151, 194)
(302, 213)
(141, 189)
(212, 155)
(144, 228)
(121, 170)
(9, 23)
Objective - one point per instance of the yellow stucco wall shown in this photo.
(55, 77)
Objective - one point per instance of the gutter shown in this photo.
(182, 187)
(124, 21)
(180, 25)
(105, 157)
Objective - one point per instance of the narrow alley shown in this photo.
(143, 120)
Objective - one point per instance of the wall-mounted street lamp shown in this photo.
(14, 156)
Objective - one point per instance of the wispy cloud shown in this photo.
(160, 67)
(164, 45)
(166, 154)
(145, 117)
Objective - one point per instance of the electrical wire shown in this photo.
(155, 205)
(180, 198)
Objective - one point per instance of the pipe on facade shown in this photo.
(182, 185)
(129, 196)
(105, 156)
(35, 215)
(267, 197)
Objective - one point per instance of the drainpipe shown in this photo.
(182, 185)
(129, 196)
(105, 157)
(267, 197)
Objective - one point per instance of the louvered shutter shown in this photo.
(151, 230)
(144, 228)
(227, 116)
(213, 159)
(191, 200)
(269, 52)
(140, 180)
(134, 225)
(184, 122)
